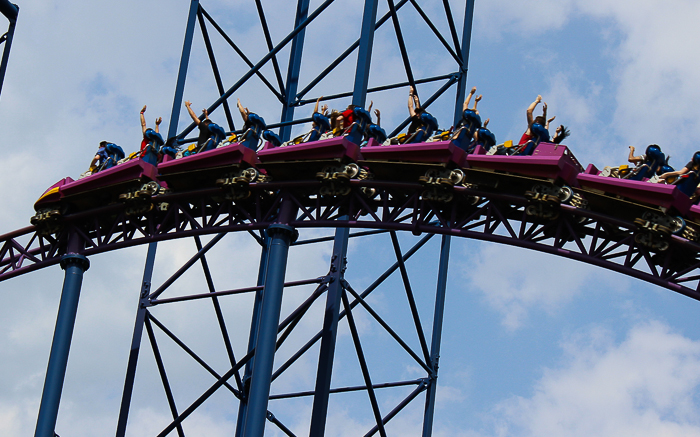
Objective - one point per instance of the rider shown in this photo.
(648, 164)
(468, 126)
(254, 125)
(106, 157)
(210, 134)
(537, 128)
(321, 123)
(374, 130)
(689, 176)
(483, 137)
(152, 141)
(423, 124)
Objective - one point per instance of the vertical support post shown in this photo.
(253, 337)
(281, 237)
(75, 265)
(466, 43)
(330, 331)
(290, 91)
(364, 54)
(136, 340)
(182, 72)
(437, 335)
(10, 11)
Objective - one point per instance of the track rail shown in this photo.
(583, 235)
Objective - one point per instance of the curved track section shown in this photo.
(579, 234)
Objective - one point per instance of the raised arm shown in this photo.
(316, 106)
(378, 114)
(549, 120)
(413, 102)
(634, 159)
(158, 121)
(196, 119)
(530, 110)
(477, 100)
(143, 121)
(465, 106)
(243, 111)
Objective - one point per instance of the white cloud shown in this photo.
(516, 281)
(495, 17)
(645, 385)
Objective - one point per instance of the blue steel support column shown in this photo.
(290, 91)
(437, 336)
(136, 340)
(182, 72)
(464, 53)
(75, 265)
(364, 54)
(253, 337)
(281, 237)
(10, 11)
(330, 330)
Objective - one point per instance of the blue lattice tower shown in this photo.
(275, 234)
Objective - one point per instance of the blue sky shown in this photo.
(533, 345)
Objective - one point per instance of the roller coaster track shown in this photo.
(578, 234)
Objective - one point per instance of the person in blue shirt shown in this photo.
(107, 156)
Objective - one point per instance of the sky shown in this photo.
(532, 344)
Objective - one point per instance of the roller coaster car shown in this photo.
(232, 167)
(332, 160)
(132, 182)
(435, 164)
(546, 178)
(656, 209)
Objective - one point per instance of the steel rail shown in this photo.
(499, 218)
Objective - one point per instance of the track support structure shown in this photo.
(281, 237)
(74, 265)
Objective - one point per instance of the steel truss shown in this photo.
(337, 289)
(578, 234)
(277, 221)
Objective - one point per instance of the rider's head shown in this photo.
(696, 159)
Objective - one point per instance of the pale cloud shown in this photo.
(516, 281)
(536, 17)
(656, 72)
(645, 385)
